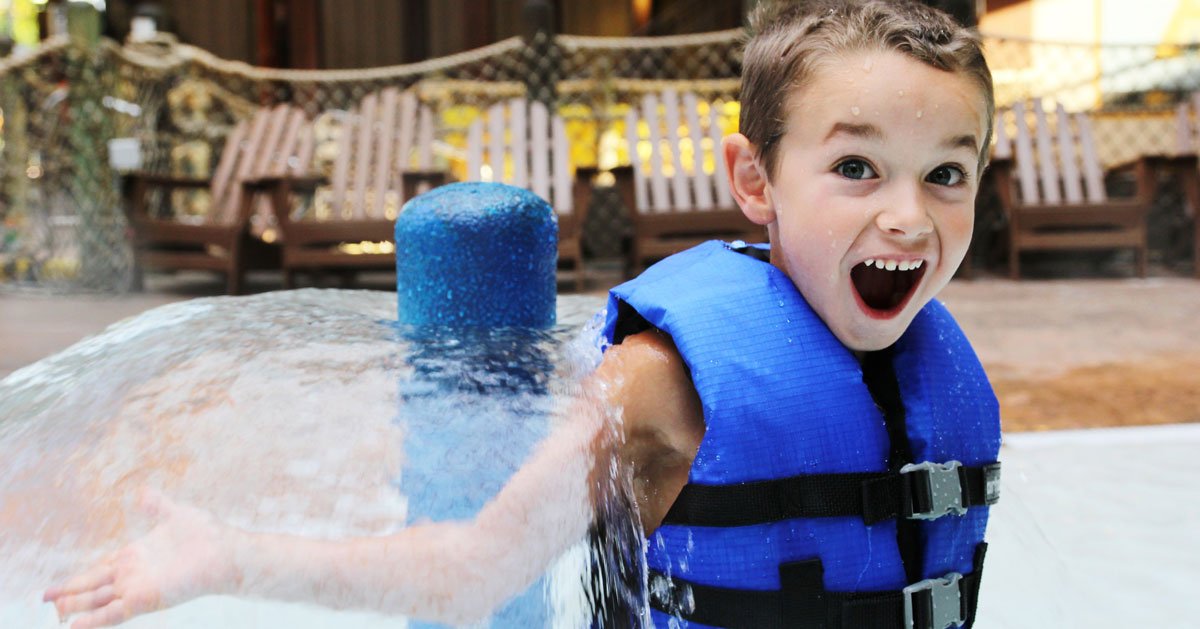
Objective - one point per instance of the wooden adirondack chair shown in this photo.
(520, 143)
(383, 158)
(271, 141)
(1062, 202)
(676, 207)
(1187, 126)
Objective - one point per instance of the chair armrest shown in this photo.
(1156, 163)
(999, 165)
(435, 177)
(999, 172)
(414, 182)
(167, 181)
(1185, 169)
(137, 185)
(1172, 163)
(301, 182)
(1147, 168)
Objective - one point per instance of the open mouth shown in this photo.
(885, 286)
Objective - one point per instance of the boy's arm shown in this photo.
(452, 571)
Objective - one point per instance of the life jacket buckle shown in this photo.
(991, 484)
(934, 603)
(940, 494)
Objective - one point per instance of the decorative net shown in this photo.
(62, 225)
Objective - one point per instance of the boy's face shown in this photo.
(879, 167)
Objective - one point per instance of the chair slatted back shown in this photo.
(1046, 158)
(1002, 148)
(1058, 168)
(1093, 173)
(524, 145)
(662, 183)
(293, 152)
(1023, 145)
(272, 141)
(374, 150)
(1187, 126)
(235, 145)
(1072, 185)
(235, 165)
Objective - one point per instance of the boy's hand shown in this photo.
(187, 554)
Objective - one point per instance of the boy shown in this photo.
(794, 417)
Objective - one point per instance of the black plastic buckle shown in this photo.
(945, 603)
(943, 485)
(669, 595)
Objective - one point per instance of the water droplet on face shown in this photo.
(854, 110)
(900, 93)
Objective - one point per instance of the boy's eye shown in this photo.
(855, 169)
(946, 176)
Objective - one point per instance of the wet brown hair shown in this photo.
(789, 40)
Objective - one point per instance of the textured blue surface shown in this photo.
(476, 254)
(783, 397)
(479, 256)
(948, 419)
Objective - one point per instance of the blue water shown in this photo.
(499, 380)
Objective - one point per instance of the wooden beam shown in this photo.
(264, 34)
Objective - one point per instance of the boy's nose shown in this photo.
(905, 217)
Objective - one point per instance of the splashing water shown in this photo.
(304, 412)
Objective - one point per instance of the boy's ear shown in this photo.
(747, 180)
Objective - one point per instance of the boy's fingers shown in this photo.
(114, 613)
(86, 601)
(101, 575)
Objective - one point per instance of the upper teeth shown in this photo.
(892, 265)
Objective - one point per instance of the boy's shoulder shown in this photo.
(705, 281)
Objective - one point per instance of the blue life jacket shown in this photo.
(786, 411)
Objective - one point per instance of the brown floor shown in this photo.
(1061, 353)
(1087, 352)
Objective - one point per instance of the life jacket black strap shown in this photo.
(803, 603)
(879, 375)
(924, 491)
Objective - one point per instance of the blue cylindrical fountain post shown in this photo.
(475, 277)
(476, 255)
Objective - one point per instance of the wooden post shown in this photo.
(264, 34)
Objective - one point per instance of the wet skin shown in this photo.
(880, 161)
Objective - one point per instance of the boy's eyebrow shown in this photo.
(867, 131)
(963, 141)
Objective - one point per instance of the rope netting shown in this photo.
(61, 219)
